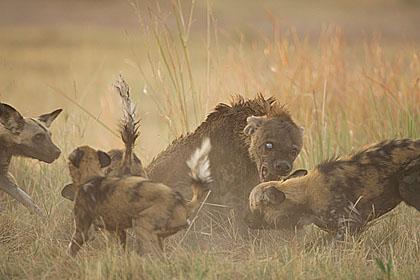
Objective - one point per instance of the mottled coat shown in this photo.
(154, 210)
(25, 137)
(123, 161)
(343, 194)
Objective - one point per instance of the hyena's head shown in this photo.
(84, 164)
(275, 142)
(28, 137)
(279, 204)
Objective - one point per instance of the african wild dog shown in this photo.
(154, 210)
(343, 194)
(26, 137)
(252, 141)
(123, 162)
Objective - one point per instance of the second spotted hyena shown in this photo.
(343, 194)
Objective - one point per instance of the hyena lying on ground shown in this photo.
(343, 194)
(252, 141)
(27, 137)
(155, 211)
(123, 162)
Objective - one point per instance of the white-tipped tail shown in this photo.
(129, 124)
(199, 163)
(129, 108)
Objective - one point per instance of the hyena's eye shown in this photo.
(268, 146)
(294, 152)
(39, 137)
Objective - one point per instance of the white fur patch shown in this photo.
(199, 162)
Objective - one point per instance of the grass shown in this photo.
(344, 94)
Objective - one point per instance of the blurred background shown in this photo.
(348, 71)
(182, 57)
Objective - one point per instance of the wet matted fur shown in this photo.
(343, 194)
(154, 210)
(252, 140)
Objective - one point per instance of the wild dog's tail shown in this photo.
(199, 165)
(129, 126)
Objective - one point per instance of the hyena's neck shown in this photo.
(5, 157)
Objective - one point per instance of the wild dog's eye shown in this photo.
(39, 137)
(268, 146)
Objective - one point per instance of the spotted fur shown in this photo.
(152, 209)
(25, 137)
(344, 194)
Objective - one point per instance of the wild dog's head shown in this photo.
(279, 204)
(275, 142)
(84, 164)
(28, 137)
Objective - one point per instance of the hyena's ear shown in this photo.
(253, 123)
(11, 119)
(47, 119)
(68, 192)
(273, 196)
(296, 173)
(104, 159)
(76, 157)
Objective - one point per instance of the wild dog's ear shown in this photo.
(253, 123)
(296, 173)
(47, 119)
(68, 192)
(104, 159)
(76, 157)
(11, 119)
(273, 196)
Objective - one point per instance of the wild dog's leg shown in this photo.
(409, 186)
(8, 184)
(122, 235)
(82, 221)
(160, 240)
(352, 223)
(147, 241)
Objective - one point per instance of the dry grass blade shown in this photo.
(74, 102)
(190, 225)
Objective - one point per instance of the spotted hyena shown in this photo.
(154, 210)
(26, 137)
(252, 140)
(343, 194)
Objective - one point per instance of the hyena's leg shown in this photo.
(82, 222)
(409, 186)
